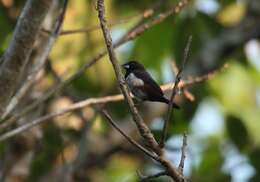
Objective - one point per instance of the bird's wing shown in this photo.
(149, 83)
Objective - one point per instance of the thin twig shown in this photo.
(146, 14)
(185, 91)
(132, 141)
(174, 91)
(138, 30)
(73, 107)
(32, 78)
(183, 155)
(80, 105)
(157, 175)
(125, 38)
(188, 95)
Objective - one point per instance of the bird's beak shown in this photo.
(125, 66)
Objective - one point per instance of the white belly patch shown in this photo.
(133, 81)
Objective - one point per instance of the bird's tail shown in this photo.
(166, 101)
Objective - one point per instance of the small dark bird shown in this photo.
(142, 85)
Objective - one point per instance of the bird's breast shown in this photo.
(134, 84)
(133, 81)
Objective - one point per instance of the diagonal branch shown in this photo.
(143, 129)
(41, 60)
(20, 48)
(174, 91)
(146, 14)
(157, 175)
(132, 141)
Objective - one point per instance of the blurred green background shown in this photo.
(223, 122)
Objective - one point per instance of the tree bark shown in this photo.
(15, 57)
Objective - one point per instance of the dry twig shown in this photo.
(174, 92)
(183, 155)
(157, 175)
(185, 91)
(146, 14)
(132, 141)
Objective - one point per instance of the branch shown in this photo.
(185, 91)
(41, 60)
(139, 29)
(156, 20)
(20, 47)
(146, 14)
(157, 175)
(73, 107)
(174, 91)
(95, 101)
(132, 141)
(183, 155)
(116, 98)
(143, 129)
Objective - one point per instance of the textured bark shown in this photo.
(15, 57)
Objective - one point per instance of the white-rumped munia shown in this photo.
(142, 85)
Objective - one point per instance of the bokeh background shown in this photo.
(223, 121)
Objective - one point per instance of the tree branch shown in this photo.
(41, 60)
(19, 50)
(132, 141)
(183, 155)
(139, 29)
(73, 107)
(185, 91)
(174, 91)
(142, 127)
(144, 15)
(114, 98)
(156, 20)
(157, 175)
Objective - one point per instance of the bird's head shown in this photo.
(132, 65)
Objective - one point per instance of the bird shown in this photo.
(142, 85)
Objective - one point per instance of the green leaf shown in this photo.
(255, 159)
(153, 45)
(211, 164)
(237, 132)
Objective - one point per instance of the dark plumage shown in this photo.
(142, 84)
